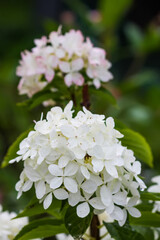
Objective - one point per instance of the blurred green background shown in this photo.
(129, 31)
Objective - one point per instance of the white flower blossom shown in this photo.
(72, 68)
(155, 189)
(10, 227)
(80, 159)
(69, 55)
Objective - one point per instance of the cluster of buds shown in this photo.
(69, 56)
(80, 159)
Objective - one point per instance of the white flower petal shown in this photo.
(122, 222)
(96, 152)
(49, 74)
(79, 153)
(156, 179)
(70, 184)
(154, 188)
(120, 198)
(64, 66)
(83, 210)
(68, 79)
(141, 183)
(96, 83)
(85, 172)
(89, 72)
(45, 151)
(55, 170)
(56, 182)
(110, 208)
(72, 142)
(60, 53)
(40, 160)
(17, 159)
(77, 79)
(77, 64)
(132, 201)
(68, 108)
(117, 214)
(137, 167)
(97, 179)
(97, 165)
(63, 161)
(79, 177)
(40, 189)
(104, 75)
(118, 161)
(60, 194)
(27, 185)
(47, 201)
(114, 186)
(75, 198)
(71, 169)
(18, 185)
(111, 169)
(106, 196)
(110, 123)
(89, 186)
(134, 212)
(67, 131)
(32, 174)
(97, 203)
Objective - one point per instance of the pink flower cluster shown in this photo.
(69, 55)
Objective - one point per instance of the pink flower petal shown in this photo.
(78, 79)
(96, 83)
(68, 79)
(49, 74)
(64, 66)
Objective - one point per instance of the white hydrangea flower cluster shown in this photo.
(80, 159)
(10, 228)
(155, 189)
(68, 55)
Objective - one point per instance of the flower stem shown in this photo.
(94, 229)
(73, 99)
(85, 95)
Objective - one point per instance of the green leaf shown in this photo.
(150, 196)
(142, 42)
(145, 206)
(138, 80)
(61, 92)
(119, 125)
(41, 228)
(103, 94)
(11, 153)
(135, 35)
(35, 208)
(113, 11)
(41, 99)
(136, 142)
(38, 98)
(122, 233)
(147, 232)
(147, 219)
(75, 225)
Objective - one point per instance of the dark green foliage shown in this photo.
(123, 233)
(76, 226)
